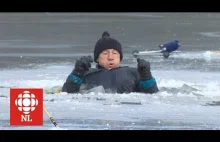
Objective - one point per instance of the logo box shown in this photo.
(26, 106)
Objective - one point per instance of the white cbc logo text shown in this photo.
(26, 102)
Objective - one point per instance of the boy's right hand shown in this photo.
(82, 65)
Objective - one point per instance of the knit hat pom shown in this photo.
(105, 34)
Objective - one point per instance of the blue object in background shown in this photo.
(170, 46)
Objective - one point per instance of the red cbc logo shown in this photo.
(26, 106)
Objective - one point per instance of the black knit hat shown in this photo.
(107, 42)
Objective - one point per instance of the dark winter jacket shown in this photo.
(118, 80)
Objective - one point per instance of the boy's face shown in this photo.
(109, 59)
